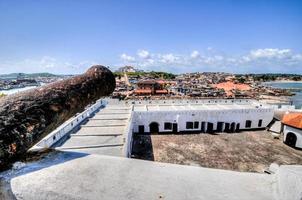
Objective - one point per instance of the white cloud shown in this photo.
(270, 53)
(143, 54)
(256, 60)
(169, 58)
(210, 48)
(195, 54)
(127, 58)
(44, 64)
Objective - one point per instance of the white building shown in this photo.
(292, 129)
(199, 116)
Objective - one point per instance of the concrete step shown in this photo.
(105, 123)
(90, 146)
(91, 141)
(114, 116)
(108, 121)
(95, 134)
(101, 130)
(116, 108)
(105, 150)
(112, 125)
(114, 111)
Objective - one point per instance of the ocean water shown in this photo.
(297, 86)
(16, 90)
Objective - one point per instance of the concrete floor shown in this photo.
(70, 175)
(249, 151)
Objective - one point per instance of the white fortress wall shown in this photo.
(193, 101)
(213, 116)
(297, 132)
(128, 136)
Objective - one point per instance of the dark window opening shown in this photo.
(196, 124)
(168, 126)
(248, 124)
(233, 127)
(141, 129)
(189, 125)
(203, 127)
(175, 129)
(227, 127)
(154, 127)
(219, 126)
(210, 127)
(291, 139)
(237, 127)
(260, 123)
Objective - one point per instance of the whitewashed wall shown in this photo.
(213, 116)
(67, 126)
(128, 136)
(297, 132)
(192, 101)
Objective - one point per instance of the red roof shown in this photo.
(143, 91)
(161, 91)
(229, 85)
(161, 82)
(293, 119)
(149, 81)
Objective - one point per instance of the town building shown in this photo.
(151, 87)
(206, 116)
(292, 129)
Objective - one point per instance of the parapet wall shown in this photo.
(60, 132)
(192, 101)
(289, 180)
(28, 116)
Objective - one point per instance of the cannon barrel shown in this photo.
(28, 116)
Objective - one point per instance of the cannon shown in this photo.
(28, 116)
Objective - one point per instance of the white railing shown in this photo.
(67, 126)
(292, 108)
(190, 101)
(128, 136)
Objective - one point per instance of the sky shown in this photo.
(68, 36)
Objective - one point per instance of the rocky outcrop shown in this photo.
(28, 116)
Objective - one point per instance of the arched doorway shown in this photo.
(210, 127)
(291, 139)
(154, 127)
(219, 127)
(233, 127)
(227, 127)
(237, 127)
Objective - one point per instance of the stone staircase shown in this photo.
(103, 133)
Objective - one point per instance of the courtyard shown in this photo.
(248, 151)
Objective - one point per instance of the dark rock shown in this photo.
(28, 116)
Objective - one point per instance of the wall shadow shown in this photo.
(142, 147)
(20, 169)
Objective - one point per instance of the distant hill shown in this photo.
(24, 75)
(128, 69)
(152, 75)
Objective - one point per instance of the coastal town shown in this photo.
(22, 80)
(138, 85)
(135, 84)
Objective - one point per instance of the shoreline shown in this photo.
(282, 81)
